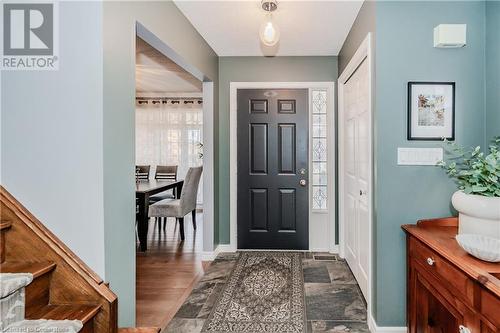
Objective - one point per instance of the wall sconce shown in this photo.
(450, 35)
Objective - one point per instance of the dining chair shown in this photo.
(179, 208)
(164, 172)
(142, 172)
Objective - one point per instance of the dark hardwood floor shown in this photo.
(168, 271)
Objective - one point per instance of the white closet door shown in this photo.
(356, 173)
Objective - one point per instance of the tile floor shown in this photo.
(333, 299)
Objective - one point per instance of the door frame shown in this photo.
(233, 154)
(365, 51)
(208, 134)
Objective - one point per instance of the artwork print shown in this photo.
(431, 110)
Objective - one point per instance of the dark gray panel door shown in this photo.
(273, 206)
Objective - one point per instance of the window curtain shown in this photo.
(170, 134)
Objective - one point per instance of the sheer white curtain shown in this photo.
(169, 134)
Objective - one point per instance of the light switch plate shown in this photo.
(419, 156)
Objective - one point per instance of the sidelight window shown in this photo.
(319, 150)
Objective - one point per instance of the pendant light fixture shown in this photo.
(269, 32)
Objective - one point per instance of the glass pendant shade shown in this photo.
(269, 32)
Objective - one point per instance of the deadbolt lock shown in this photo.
(302, 171)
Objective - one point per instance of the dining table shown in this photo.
(144, 190)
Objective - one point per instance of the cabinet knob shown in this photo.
(430, 261)
(463, 329)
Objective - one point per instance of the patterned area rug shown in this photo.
(265, 293)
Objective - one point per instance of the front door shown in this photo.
(273, 204)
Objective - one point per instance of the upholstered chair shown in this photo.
(179, 208)
(164, 173)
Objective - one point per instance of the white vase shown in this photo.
(478, 215)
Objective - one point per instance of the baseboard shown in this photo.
(210, 256)
(225, 248)
(334, 249)
(319, 249)
(374, 328)
(229, 248)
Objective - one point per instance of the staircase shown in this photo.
(51, 287)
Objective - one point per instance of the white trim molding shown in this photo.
(208, 166)
(228, 248)
(208, 256)
(208, 133)
(374, 328)
(221, 248)
(365, 51)
(233, 153)
(335, 249)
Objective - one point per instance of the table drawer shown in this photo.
(438, 266)
(490, 307)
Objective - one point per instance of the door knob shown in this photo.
(302, 182)
(361, 192)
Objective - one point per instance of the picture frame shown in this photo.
(431, 111)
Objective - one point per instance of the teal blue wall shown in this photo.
(405, 53)
(55, 119)
(254, 69)
(363, 24)
(166, 22)
(492, 69)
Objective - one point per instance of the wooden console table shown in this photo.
(448, 290)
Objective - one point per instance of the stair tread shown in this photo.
(35, 268)
(5, 225)
(84, 313)
(12, 282)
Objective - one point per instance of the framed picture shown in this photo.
(431, 110)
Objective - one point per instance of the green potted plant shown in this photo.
(478, 177)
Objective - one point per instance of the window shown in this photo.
(319, 150)
(169, 134)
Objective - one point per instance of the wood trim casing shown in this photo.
(72, 281)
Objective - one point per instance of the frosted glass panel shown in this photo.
(320, 197)
(319, 150)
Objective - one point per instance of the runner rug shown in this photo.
(264, 294)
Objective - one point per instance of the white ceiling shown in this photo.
(155, 73)
(307, 27)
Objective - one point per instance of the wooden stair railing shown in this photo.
(63, 286)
